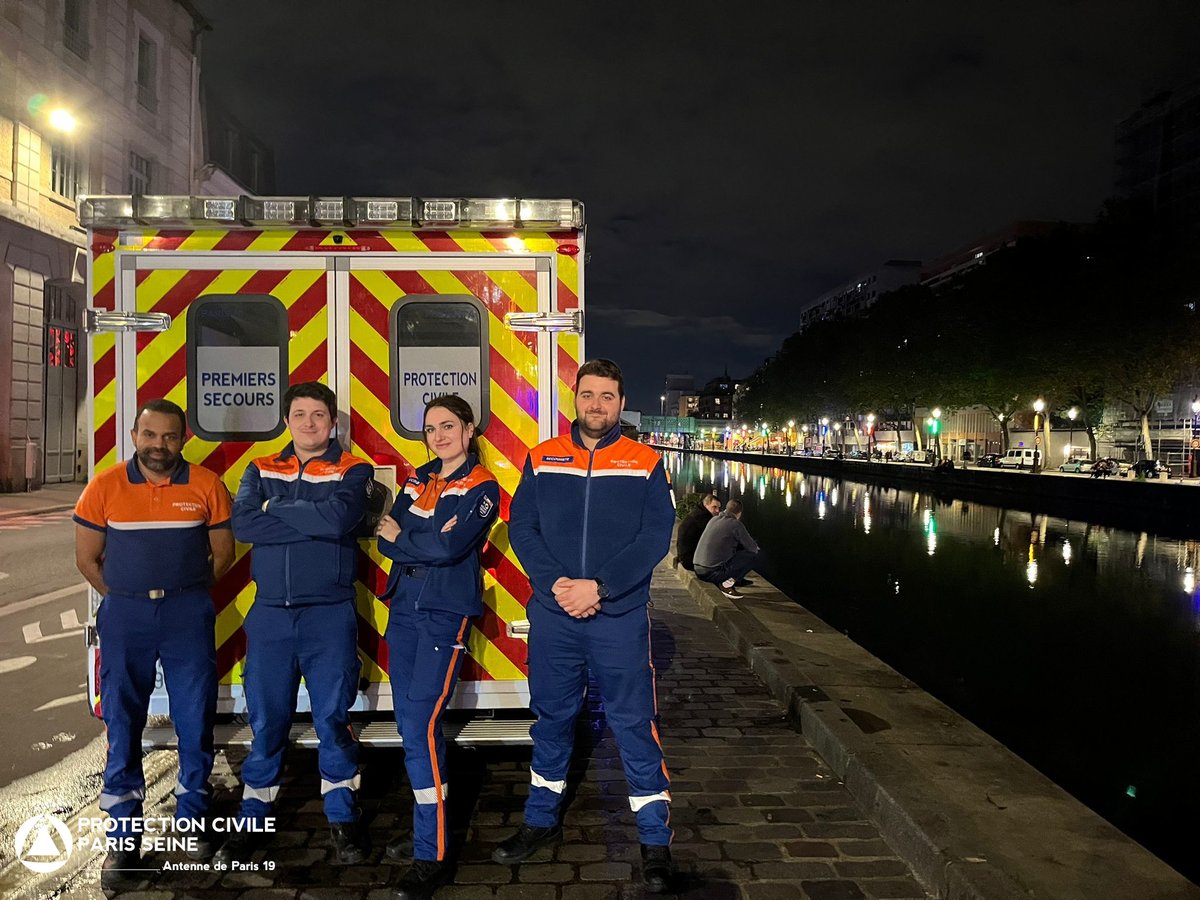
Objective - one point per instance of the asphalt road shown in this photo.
(43, 673)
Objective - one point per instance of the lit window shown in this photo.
(66, 172)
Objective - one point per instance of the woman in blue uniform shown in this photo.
(433, 536)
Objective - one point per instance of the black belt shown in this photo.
(160, 593)
(413, 571)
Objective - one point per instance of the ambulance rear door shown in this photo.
(432, 323)
(242, 327)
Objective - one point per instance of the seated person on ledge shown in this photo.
(726, 551)
(692, 527)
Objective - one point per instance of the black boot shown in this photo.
(525, 842)
(350, 842)
(400, 848)
(201, 845)
(657, 870)
(238, 847)
(422, 878)
(115, 871)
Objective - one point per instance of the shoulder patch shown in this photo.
(485, 507)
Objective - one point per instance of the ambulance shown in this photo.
(219, 303)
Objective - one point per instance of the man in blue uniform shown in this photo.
(151, 537)
(299, 509)
(590, 519)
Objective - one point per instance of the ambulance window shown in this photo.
(237, 351)
(439, 345)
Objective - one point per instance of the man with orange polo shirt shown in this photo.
(151, 537)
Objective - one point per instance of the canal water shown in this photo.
(1074, 644)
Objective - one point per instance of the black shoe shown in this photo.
(115, 874)
(400, 848)
(238, 847)
(657, 870)
(201, 845)
(422, 878)
(351, 843)
(522, 845)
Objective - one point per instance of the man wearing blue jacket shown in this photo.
(590, 519)
(299, 509)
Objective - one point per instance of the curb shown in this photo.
(1047, 845)
(11, 513)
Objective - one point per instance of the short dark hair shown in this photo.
(733, 507)
(602, 368)
(313, 390)
(167, 408)
(461, 410)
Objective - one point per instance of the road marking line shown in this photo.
(62, 701)
(22, 605)
(33, 633)
(16, 663)
(70, 619)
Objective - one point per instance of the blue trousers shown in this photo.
(134, 633)
(425, 654)
(617, 650)
(319, 643)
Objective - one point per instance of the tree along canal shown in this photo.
(1074, 644)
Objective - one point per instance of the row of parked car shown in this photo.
(1105, 467)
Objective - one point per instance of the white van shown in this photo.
(1021, 458)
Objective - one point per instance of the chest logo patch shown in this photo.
(558, 459)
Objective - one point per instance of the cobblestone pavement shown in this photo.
(757, 814)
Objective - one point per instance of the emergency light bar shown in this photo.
(112, 211)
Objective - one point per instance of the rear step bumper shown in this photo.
(482, 732)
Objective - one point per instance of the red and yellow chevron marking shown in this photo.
(512, 363)
(511, 431)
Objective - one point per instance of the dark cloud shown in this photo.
(735, 159)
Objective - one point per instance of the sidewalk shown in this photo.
(49, 498)
(757, 813)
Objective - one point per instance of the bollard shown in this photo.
(31, 448)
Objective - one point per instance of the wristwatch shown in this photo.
(601, 589)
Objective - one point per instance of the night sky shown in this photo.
(735, 159)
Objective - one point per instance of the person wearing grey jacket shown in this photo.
(726, 551)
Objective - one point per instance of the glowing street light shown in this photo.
(62, 120)
(1039, 406)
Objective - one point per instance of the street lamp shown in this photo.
(936, 432)
(870, 435)
(788, 442)
(1072, 413)
(62, 120)
(662, 404)
(1194, 453)
(1039, 406)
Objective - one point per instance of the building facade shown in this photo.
(716, 399)
(96, 97)
(860, 292)
(1158, 161)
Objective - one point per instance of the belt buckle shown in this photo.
(156, 594)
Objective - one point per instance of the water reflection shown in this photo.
(1044, 631)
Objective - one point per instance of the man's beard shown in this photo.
(596, 433)
(158, 460)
